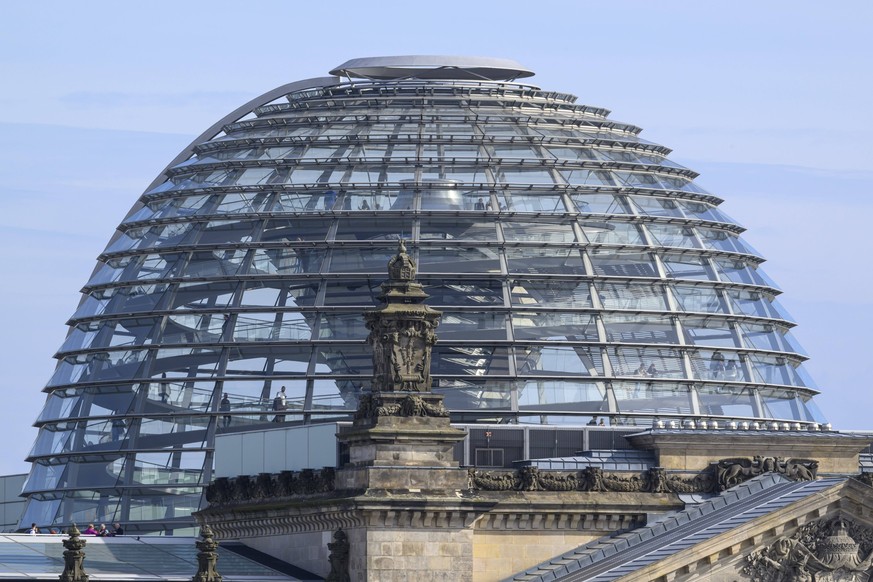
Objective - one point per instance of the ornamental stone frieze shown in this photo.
(720, 476)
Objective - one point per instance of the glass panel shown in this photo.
(186, 361)
(647, 362)
(215, 294)
(287, 260)
(544, 260)
(722, 240)
(303, 229)
(273, 326)
(108, 334)
(600, 203)
(687, 267)
(631, 296)
(551, 293)
(99, 366)
(704, 211)
(753, 303)
(696, 298)
(474, 394)
(522, 202)
(614, 233)
(138, 298)
(726, 400)
(297, 202)
(710, 332)
(652, 206)
(587, 177)
(780, 404)
(619, 263)
(353, 359)
(472, 325)
(227, 231)
(538, 232)
(359, 292)
(170, 468)
(289, 360)
(558, 361)
(342, 326)
(739, 272)
(457, 228)
(215, 263)
(552, 326)
(365, 228)
(640, 329)
(238, 203)
(765, 337)
(333, 395)
(573, 154)
(366, 259)
(470, 361)
(250, 401)
(651, 397)
(775, 370)
(446, 292)
(155, 236)
(670, 235)
(279, 293)
(717, 365)
(549, 395)
(454, 260)
(523, 176)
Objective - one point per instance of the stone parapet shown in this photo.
(694, 450)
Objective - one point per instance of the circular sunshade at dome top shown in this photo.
(579, 271)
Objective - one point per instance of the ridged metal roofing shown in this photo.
(613, 557)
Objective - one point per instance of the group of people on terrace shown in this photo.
(101, 531)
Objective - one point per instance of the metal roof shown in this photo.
(134, 558)
(611, 558)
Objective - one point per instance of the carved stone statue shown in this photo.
(74, 557)
(339, 558)
(402, 331)
(207, 557)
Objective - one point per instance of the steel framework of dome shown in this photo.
(580, 273)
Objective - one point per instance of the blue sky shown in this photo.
(768, 101)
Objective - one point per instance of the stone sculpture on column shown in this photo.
(74, 557)
(207, 557)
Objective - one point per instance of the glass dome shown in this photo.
(579, 271)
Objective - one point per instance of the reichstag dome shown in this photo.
(580, 273)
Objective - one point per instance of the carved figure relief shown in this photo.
(731, 472)
(823, 551)
(339, 557)
(402, 331)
